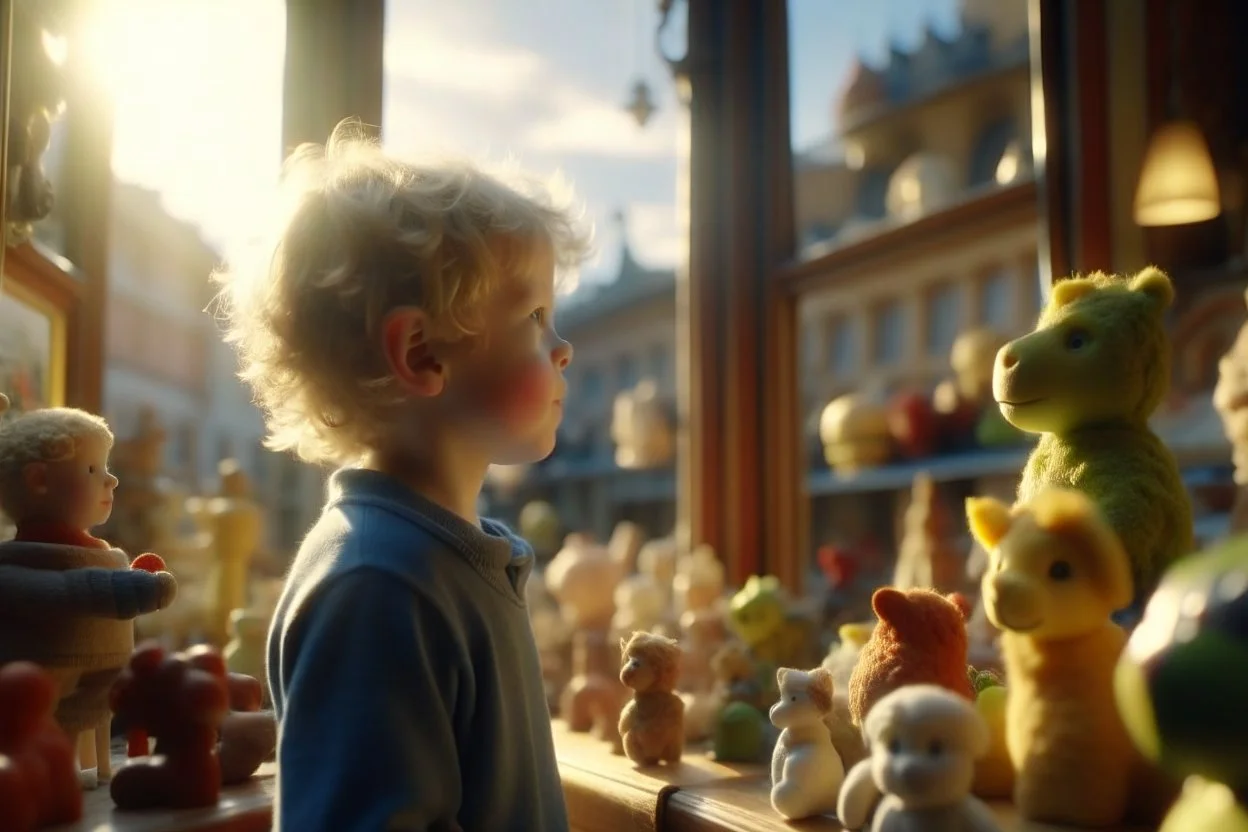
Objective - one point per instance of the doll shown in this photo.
(806, 770)
(652, 724)
(67, 598)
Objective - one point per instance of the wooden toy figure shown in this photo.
(237, 523)
(181, 700)
(1182, 682)
(652, 724)
(1087, 380)
(806, 770)
(1058, 573)
(924, 741)
(38, 773)
(67, 598)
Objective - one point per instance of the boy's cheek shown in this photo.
(524, 394)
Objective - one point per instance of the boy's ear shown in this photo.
(35, 477)
(409, 356)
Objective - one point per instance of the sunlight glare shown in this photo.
(197, 91)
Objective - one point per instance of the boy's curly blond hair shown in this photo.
(48, 435)
(363, 234)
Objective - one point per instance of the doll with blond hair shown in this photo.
(67, 598)
(401, 328)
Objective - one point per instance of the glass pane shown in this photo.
(492, 80)
(886, 128)
(903, 111)
(944, 319)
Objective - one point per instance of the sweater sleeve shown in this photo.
(367, 737)
(101, 593)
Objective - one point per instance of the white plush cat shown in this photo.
(806, 770)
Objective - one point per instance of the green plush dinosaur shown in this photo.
(1087, 380)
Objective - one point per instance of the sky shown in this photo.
(539, 81)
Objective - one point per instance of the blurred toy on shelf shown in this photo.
(237, 524)
(181, 701)
(775, 629)
(540, 525)
(929, 555)
(38, 770)
(1182, 681)
(856, 434)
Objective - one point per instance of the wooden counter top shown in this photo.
(608, 791)
(744, 805)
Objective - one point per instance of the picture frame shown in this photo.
(32, 348)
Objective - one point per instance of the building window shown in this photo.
(996, 302)
(944, 318)
(626, 372)
(844, 347)
(889, 341)
(661, 364)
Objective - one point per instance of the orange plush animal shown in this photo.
(38, 773)
(920, 639)
(653, 723)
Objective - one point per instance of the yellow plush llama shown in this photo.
(1058, 571)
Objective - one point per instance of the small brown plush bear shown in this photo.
(652, 725)
(920, 639)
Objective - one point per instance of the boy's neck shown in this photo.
(445, 477)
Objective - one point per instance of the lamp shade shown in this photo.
(1178, 184)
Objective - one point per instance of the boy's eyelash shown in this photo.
(539, 315)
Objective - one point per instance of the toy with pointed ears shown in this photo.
(1087, 380)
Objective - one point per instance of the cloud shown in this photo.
(491, 71)
(656, 237)
(588, 124)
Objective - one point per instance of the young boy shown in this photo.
(403, 329)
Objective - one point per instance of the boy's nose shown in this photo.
(562, 354)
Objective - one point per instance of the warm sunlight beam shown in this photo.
(197, 86)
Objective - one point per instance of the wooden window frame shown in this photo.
(741, 467)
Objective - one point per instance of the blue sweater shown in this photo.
(405, 676)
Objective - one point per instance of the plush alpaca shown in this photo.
(1058, 573)
(920, 638)
(806, 770)
(1087, 380)
(924, 741)
(38, 775)
(652, 724)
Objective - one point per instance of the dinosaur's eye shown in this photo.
(1059, 570)
(1077, 339)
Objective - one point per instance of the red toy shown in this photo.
(149, 562)
(181, 700)
(38, 776)
(248, 734)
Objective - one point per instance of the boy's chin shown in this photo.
(527, 453)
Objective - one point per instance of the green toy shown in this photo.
(1087, 380)
(1182, 682)
(740, 734)
(760, 615)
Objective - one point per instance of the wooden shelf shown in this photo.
(743, 805)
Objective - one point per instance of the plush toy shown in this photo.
(806, 770)
(699, 580)
(38, 776)
(68, 600)
(592, 700)
(181, 700)
(994, 772)
(1182, 682)
(1087, 380)
(924, 741)
(920, 638)
(652, 724)
(737, 676)
(1058, 572)
(703, 633)
(762, 617)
